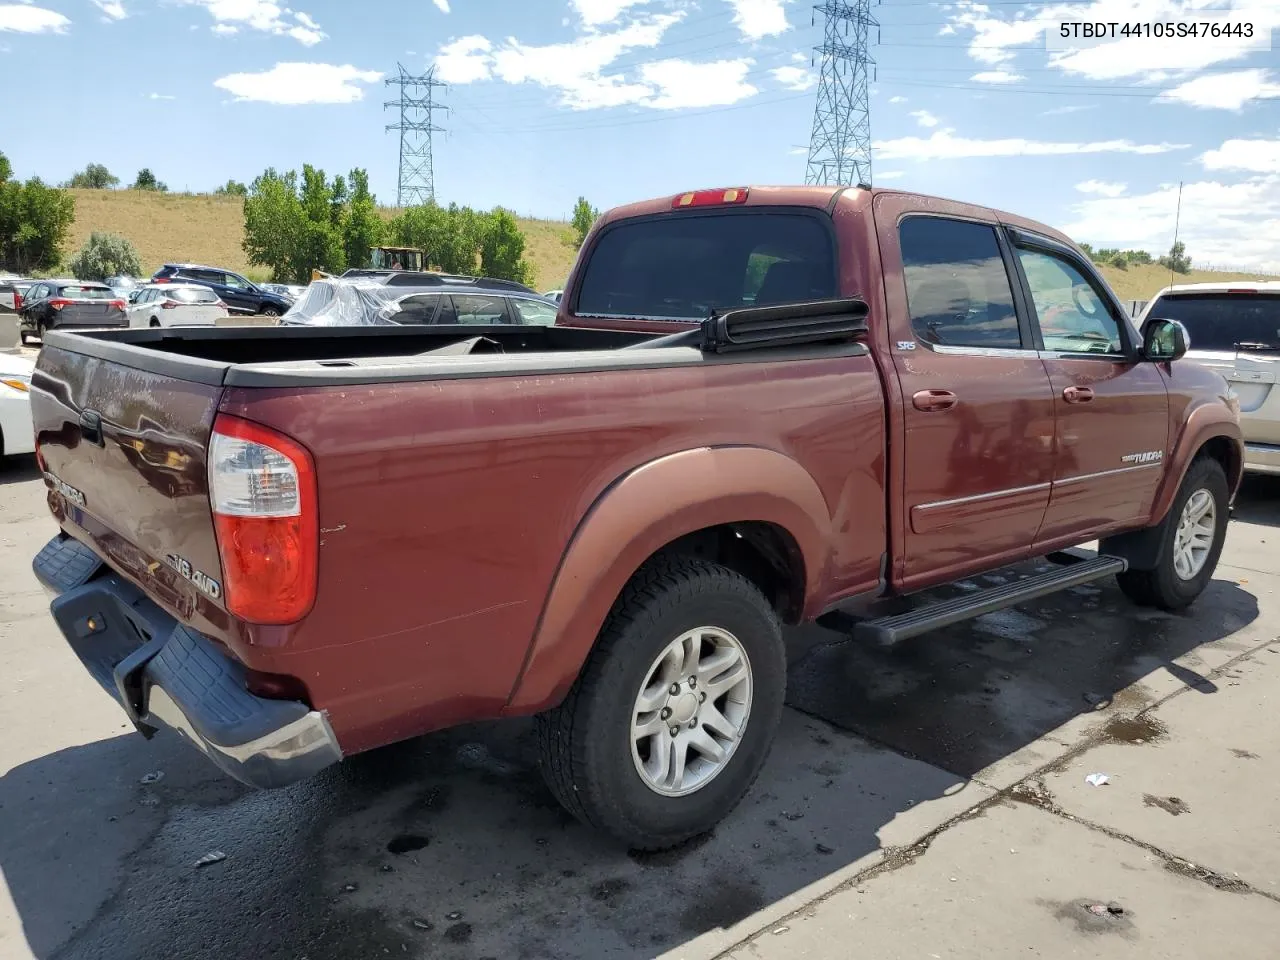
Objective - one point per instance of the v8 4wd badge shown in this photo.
(203, 582)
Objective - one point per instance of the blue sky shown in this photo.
(625, 99)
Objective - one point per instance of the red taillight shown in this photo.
(220, 305)
(159, 279)
(262, 486)
(17, 301)
(40, 460)
(169, 304)
(58, 303)
(1241, 290)
(710, 198)
(118, 304)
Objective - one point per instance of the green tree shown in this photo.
(449, 237)
(1137, 257)
(146, 180)
(105, 255)
(94, 177)
(1177, 259)
(232, 188)
(584, 217)
(6, 168)
(502, 248)
(292, 224)
(360, 226)
(34, 222)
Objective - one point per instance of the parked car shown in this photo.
(355, 559)
(16, 433)
(11, 292)
(175, 305)
(290, 291)
(61, 304)
(123, 285)
(554, 295)
(431, 307)
(1234, 328)
(240, 295)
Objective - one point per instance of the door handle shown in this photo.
(1077, 394)
(931, 400)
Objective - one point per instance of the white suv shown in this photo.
(1234, 328)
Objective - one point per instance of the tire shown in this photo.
(270, 312)
(1164, 586)
(23, 337)
(40, 331)
(154, 322)
(589, 755)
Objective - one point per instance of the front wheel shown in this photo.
(270, 312)
(1192, 538)
(674, 713)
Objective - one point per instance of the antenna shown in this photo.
(840, 145)
(417, 183)
(1177, 222)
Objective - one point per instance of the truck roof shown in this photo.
(821, 197)
(1223, 286)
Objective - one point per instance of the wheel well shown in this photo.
(1228, 456)
(764, 553)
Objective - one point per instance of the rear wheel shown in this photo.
(1191, 541)
(675, 710)
(40, 331)
(269, 311)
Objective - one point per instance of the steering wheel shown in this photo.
(1077, 289)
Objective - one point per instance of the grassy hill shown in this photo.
(201, 228)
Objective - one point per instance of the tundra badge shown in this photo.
(67, 490)
(1150, 456)
(203, 582)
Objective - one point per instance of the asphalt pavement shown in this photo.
(925, 802)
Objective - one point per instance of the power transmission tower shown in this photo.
(840, 146)
(417, 182)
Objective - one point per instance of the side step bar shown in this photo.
(889, 630)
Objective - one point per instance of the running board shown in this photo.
(889, 630)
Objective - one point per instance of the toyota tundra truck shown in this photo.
(758, 407)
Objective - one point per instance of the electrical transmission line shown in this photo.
(840, 145)
(417, 183)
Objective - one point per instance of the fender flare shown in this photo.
(648, 508)
(1206, 422)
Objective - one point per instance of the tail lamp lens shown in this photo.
(262, 486)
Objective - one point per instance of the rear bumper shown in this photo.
(1262, 458)
(164, 674)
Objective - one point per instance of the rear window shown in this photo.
(193, 295)
(682, 267)
(88, 293)
(1218, 321)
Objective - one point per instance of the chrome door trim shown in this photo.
(983, 496)
(1109, 473)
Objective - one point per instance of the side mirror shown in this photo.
(1164, 341)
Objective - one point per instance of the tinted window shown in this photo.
(75, 292)
(958, 291)
(531, 311)
(1218, 321)
(684, 266)
(420, 309)
(193, 295)
(1073, 314)
(234, 282)
(476, 309)
(206, 276)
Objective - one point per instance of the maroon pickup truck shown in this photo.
(757, 407)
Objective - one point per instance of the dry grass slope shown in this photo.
(209, 229)
(201, 228)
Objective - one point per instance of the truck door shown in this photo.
(1111, 408)
(977, 406)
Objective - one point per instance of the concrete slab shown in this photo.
(1015, 883)
(1199, 785)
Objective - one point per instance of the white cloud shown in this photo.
(111, 9)
(25, 18)
(997, 76)
(442, 5)
(1221, 223)
(1102, 188)
(682, 84)
(160, 96)
(595, 13)
(1258, 156)
(944, 145)
(925, 118)
(794, 78)
(897, 99)
(1225, 91)
(465, 60)
(1073, 108)
(891, 175)
(299, 83)
(799, 151)
(760, 18)
(268, 16)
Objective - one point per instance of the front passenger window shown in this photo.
(958, 290)
(1073, 316)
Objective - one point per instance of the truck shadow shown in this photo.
(18, 469)
(450, 846)
(1259, 500)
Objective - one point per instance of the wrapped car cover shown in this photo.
(345, 303)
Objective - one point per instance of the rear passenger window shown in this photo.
(480, 310)
(958, 290)
(417, 309)
(533, 312)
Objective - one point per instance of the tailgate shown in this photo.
(124, 450)
(84, 313)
